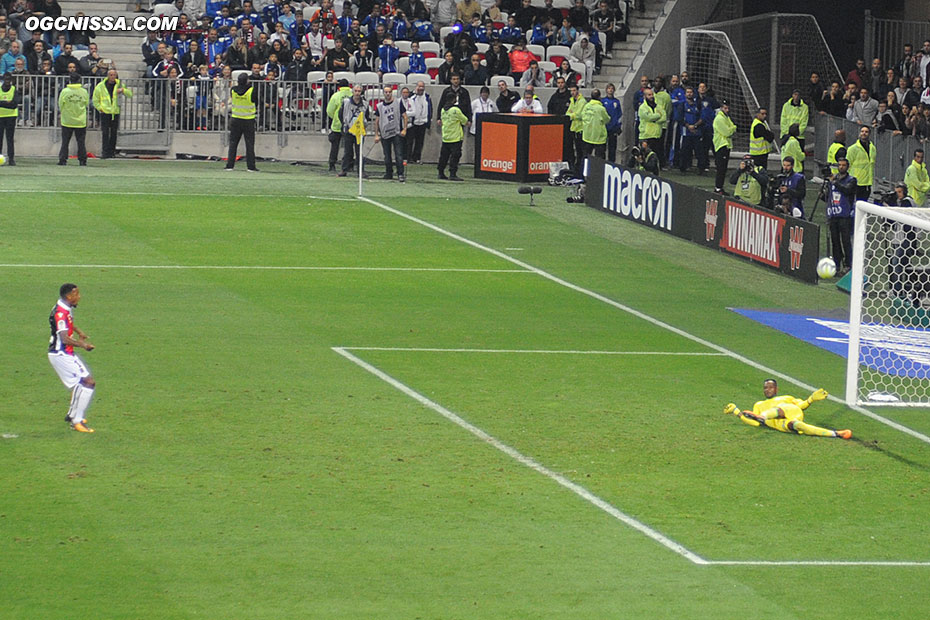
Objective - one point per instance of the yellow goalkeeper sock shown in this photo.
(803, 428)
(747, 420)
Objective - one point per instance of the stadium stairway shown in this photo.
(641, 24)
(123, 48)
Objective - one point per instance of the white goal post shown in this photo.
(888, 362)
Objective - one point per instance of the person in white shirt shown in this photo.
(482, 105)
(418, 116)
(528, 105)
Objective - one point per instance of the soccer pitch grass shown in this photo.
(321, 408)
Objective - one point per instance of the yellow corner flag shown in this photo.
(358, 128)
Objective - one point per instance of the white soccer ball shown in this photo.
(826, 268)
(2, 159)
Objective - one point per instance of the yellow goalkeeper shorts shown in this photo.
(786, 414)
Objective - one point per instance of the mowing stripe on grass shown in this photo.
(536, 351)
(264, 268)
(577, 489)
(814, 563)
(658, 323)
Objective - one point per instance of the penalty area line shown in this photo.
(646, 317)
(577, 489)
(537, 351)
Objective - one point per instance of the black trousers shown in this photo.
(722, 160)
(109, 127)
(612, 146)
(349, 151)
(841, 240)
(80, 134)
(761, 160)
(450, 153)
(579, 152)
(335, 139)
(241, 128)
(415, 137)
(599, 150)
(393, 146)
(691, 144)
(8, 127)
(863, 192)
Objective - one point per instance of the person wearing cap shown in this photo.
(795, 110)
(335, 126)
(792, 147)
(724, 128)
(72, 106)
(10, 99)
(861, 155)
(916, 178)
(841, 200)
(751, 181)
(529, 104)
(243, 107)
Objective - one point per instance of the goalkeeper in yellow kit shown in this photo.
(784, 413)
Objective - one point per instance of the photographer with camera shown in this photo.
(791, 189)
(841, 201)
(751, 181)
(643, 158)
(904, 243)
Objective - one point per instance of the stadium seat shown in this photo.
(444, 32)
(548, 67)
(497, 78)
(79, 54)
(403, 47)
(557, 53)
(366, 78)
(344, 75)
(579, 68)
(328, 44)
(403, 65)
(237, 73)
(393, 78)
(316, 76)
(413, 78)
(482, 48)
(432, 67)
(537, 50)
(430, 49)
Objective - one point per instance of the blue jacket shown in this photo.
(709, 107)
(612, 105)
(388, 56)
(797, 189)
(416, 63)
(511, 35)
(691, 113)
(842, 197)
(678, 98)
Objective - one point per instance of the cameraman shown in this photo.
(751, 181)
(904, 243)
(792, 189)
(644, 159)
(841, 200)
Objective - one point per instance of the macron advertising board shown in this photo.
(779, 242)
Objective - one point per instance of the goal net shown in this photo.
(757, 61)
(889, 328)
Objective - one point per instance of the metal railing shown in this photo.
(187, 105)
(885, 38)
(893, 153)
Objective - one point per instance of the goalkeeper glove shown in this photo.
(730, 409)
(819, 394)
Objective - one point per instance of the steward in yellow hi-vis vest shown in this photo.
(9, 109)
(760, 139)
(784, 413)
(243, 106)
(106, 101)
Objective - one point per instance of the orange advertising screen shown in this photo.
(499, 148)
(545, 146)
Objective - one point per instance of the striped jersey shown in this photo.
(60, 320)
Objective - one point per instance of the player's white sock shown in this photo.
(80, 401)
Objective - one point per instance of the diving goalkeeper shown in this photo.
(784, 413)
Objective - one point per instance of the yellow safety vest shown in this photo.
(748, 188)
(242, 105)
(758, 146)
(8, 96)
(831, 155)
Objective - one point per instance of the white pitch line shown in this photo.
(535, 351)
(650, 319)
(263, 268)
(814, 563)
(577, 489)
(185, 194)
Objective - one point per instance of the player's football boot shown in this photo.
(81, 427)
(845, 434)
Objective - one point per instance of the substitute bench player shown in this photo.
(71, 370)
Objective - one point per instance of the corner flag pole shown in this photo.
(361, 161)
